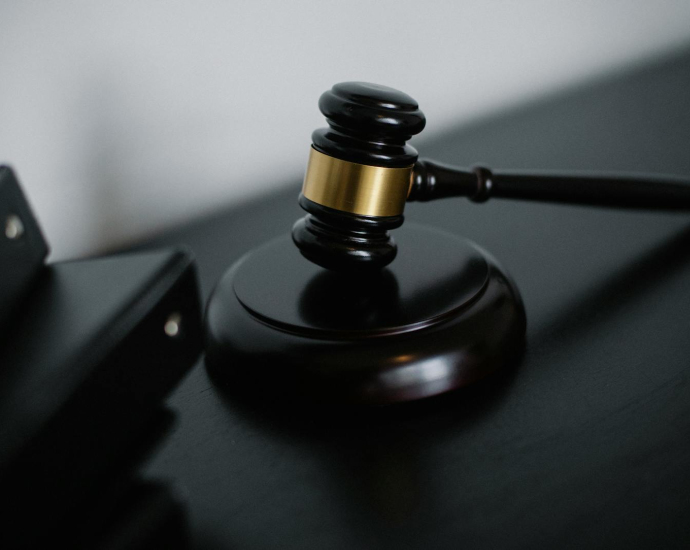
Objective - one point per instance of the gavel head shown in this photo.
(358, 177)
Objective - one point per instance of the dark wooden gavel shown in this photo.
(361, 173)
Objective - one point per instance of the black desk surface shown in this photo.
(586, 443)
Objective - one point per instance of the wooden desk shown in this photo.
(585, 444)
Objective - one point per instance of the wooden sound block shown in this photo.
(442, 316)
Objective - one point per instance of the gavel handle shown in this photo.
(433, 180)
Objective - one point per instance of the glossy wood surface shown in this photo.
(583, 445)
(368, 124)
(345, 242)
(434, 180)
(439, 318)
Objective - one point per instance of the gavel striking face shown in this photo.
(359, 177)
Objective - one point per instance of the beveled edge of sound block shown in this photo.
(476, 323)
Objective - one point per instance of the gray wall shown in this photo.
(122, 118)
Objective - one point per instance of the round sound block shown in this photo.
(441, 316)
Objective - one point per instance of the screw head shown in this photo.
(14, 228)
(173, 325)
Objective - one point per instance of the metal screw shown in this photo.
(173, 324)
(14, 228)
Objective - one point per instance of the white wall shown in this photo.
(125, 117)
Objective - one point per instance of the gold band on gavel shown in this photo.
(356, 188)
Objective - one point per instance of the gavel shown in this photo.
(361, 172)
